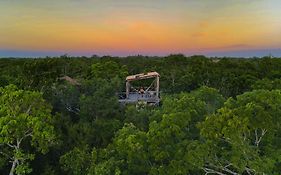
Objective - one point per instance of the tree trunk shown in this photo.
(15, 162)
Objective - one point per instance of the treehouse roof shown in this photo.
(142, 76)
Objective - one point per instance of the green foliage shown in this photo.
(170, 138)
(267, 84)
(163, 148)
(99, 100)
(139, 117)
(39, 74)
(212, 98)
(77, 161)
(130, 145)
(25, 119)
(216, 116)
(244, 133)
(108, 70)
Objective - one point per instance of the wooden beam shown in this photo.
(157, 86)
(128, 86)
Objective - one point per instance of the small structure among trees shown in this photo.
(141, 93)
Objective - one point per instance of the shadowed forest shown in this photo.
(216, 116)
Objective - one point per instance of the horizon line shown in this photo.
(8, 53)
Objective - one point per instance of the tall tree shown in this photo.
(25, 125)
(244, 136)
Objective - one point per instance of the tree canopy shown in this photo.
(216, 116)
(25, 121)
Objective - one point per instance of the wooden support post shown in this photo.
(157, 86)
(127, 89)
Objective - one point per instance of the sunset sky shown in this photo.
(147, 27)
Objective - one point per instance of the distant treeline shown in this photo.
(231, 76)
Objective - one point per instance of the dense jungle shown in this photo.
(61, 115)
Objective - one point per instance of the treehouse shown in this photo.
(144, 92)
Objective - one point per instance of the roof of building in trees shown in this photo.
(142, 76)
